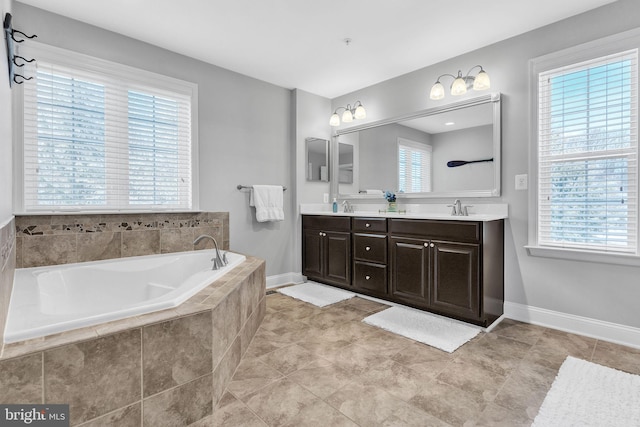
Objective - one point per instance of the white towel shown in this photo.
(268, 201)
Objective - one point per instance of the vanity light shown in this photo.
(350, 114)
(460, 83)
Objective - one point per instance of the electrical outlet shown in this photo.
(522, 182)
(325, 197)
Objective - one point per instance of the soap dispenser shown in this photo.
(335, 205)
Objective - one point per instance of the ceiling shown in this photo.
(300, 43)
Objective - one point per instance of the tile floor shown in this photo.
(310, 366)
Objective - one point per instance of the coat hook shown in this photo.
(22, 77)
(23, 58)
(20, 32)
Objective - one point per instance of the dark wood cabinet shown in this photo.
(326, 255)
(370, 274)
(410, 266)
(453, 268)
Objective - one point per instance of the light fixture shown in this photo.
(461, 83)
(350, 114)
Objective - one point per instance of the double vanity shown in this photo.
(449, 265)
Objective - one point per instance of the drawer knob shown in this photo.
(367, 225)
(368, 248)
(367, 277)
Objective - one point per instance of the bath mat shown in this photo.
(436, 331)
(588, 394)
(316, 294)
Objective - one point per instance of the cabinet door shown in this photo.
(455, 279)
(312, 259)
(338, 258)
(410, 271)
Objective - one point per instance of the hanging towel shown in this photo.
(268, 201)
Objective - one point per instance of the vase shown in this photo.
(392, 207)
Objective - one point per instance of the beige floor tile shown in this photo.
(288, 359)
(281, 402)
(423, 358)
(321, 377)
(311, 366)
(250, 376)
(373, 406)
(617, 356)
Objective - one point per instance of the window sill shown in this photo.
(582, 255)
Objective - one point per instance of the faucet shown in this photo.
(219, 261)
(457, 209)
(346, 207)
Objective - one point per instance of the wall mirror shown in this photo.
(345, 163)
(317, 159)
(447, 151)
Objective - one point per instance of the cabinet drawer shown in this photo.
(328, 223)
(466, 231)
(368, 225)
(370, 277)
(369, 247)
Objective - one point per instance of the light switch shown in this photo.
(522, 182)
(325, 198)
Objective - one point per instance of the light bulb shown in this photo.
(459, 86)
(347, 116)
(437, 91)
(334, 120)
(482, 81)
(360, 112)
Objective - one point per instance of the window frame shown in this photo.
(588, 51)
(138, 78)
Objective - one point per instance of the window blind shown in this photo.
(588, 155)
(96, 140)
(414, 166)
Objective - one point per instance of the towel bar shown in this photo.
(240, 187)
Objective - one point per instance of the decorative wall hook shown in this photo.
(15, 76)
(20, 32)
(10, 40)
(23, 58)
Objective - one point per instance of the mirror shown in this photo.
(448, 151)
(345, 163)
(317, 159)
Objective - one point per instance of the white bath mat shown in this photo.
(436, 331)
(588, 394)
(316, 294)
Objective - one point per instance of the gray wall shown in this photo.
(6, 177)
(244, 128)
(599, 291)
(465, 144)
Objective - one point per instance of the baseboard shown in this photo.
(284, 279)
(599, 329)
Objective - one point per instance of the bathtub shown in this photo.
(49, 300)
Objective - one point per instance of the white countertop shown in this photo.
(485, 212)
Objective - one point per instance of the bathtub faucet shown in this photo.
(220, 260)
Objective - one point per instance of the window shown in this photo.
(414, 166)
(587, 155)
(99, 136)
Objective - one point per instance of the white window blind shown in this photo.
(588, 155)
(96, 138)
(414, 166)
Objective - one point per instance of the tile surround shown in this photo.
(8, 247)
(78, 238)
(152, 370)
